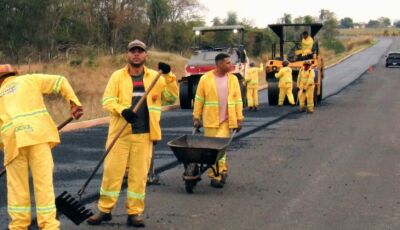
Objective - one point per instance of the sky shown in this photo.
(261, 13)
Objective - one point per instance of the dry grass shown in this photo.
(89, 81)
(351, 44)
(371, 32)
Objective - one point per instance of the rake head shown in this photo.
(72, 208)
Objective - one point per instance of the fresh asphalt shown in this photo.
(80, 150)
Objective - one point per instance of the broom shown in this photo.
(71, 207)
(59, 127)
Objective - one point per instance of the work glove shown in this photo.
(164, 67)
(196, 123)
(129, 115)
(304, 90)
(76, 111)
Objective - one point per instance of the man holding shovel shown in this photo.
(27, 135)
(219, 103)
(134, 146)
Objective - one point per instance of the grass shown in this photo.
(370, 32)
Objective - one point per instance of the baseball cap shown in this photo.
(137, 43)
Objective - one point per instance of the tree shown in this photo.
(232, 18)
(287, 19)
(346, 23)
(373, 24)
(384, 21)
(158, 12)
(308, 19)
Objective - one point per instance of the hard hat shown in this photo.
(252, 64)
(7, 69)
(285, 63)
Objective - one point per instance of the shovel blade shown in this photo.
(72, 208)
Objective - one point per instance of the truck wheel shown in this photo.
(185, 99)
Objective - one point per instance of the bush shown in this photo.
(335, 45)
(76, 62)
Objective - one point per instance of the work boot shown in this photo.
(98, 218)
(224, 176)
(135, 220)
(310, 111)
(216, 183)
(302, 110)
(250, 108)
(255, 109)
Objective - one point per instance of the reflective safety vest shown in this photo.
(285, 77)
(251, 77)
(305, 78)
(206, 104)
(118, 96)
(24, 119)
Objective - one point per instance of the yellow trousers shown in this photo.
(309, 95)
(252, 97)
(40, 161)
(136, 151)
(283, 92)
(222, 131)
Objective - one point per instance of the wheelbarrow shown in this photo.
(198, 153)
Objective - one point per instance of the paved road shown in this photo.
(74, 156)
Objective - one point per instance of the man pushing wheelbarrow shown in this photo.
(218, 102)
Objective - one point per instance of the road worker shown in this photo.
(307, 43)
(134, 146)
(218, 103)
(27, 135)
(285, 84)
(251, 80)
(306, 85)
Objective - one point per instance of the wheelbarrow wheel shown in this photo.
(192, 170)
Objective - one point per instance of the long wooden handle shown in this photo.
(135, 109)
(59, 127)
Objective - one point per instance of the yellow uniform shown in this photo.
(28, 133)
(132, 150)
(285, 85)
(206, 106)
(251, 80)
(305, 81)
(307, 45)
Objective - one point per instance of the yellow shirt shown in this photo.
(307, 45)
(24, 119)
(285, 77)
(251, 77)
(305, 78)
(118, 96)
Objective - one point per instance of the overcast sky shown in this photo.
(262, 13)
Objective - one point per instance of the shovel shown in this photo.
(59, 127)
(73, 208)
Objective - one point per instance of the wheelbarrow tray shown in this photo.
(198, 149)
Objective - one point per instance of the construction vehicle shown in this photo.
(203, 58)
(289, 42)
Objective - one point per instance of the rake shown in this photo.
(70, 206)
(59, 127)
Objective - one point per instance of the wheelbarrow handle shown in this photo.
(232, 136)
(135, 109)
(59, 127)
